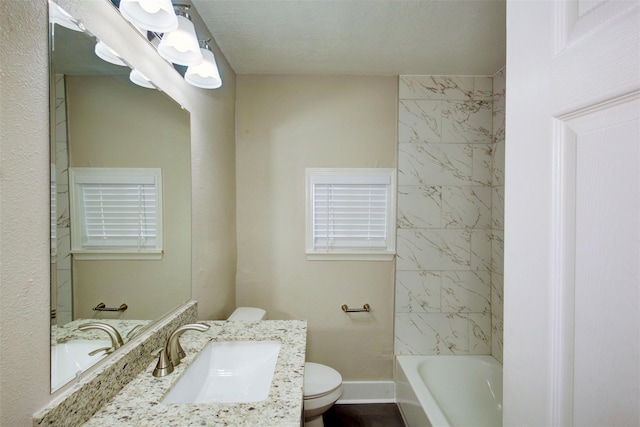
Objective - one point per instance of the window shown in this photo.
(351, 214)
(116, 213)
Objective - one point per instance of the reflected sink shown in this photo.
(228, 372)
(72, 357)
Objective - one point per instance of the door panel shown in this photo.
(572, 214)
(607, 254)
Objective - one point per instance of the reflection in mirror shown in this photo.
(100, 119)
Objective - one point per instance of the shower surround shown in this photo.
(450, 215)
(61, 276)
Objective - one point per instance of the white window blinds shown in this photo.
(116, 211)
(350, 216)
(351, 211)
(119, 215)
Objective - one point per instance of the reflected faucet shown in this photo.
(135, 331)
(172, 354)
(116, 339)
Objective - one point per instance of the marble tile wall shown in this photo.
(63, 236)
(497, 216)
(445, 237)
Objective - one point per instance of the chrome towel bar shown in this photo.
(103, 307)
(346, 309)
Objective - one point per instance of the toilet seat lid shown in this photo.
(320, 379)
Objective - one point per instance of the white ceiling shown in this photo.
(358, 37)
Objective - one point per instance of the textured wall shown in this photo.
(285, 124)
(24, 211)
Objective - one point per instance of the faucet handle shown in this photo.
(164, 365)
(107, 350)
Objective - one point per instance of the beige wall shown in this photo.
(114, 123)
(24, 189)
(24, 211)
(213, 197)
(285, 124)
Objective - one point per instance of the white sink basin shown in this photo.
(72, 357)
(228, 372)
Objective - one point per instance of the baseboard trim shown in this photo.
(367, 392)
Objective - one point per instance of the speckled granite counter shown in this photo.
(138, 404)
(76, 402)
(61, 372)
(69, 331)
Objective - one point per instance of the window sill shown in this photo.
(338, 256)
(109, 256)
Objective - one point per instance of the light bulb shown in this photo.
(205, 74)
(180, 46)
(150, 6)
(153, 15)
(140, 79)
(105, 53)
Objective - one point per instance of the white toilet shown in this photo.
(322, 384)
(248, 313)
(322, 387)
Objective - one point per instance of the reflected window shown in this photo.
(116, 213)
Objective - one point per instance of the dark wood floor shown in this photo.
(369, 415)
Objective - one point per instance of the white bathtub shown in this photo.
(449, 391)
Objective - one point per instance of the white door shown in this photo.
(572, 214)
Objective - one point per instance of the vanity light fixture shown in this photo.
(105, 53)
(153, 15)
(58, 15)
(180, 46)
(204, 75)
(140, 79)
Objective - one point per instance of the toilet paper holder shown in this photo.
(365, 307)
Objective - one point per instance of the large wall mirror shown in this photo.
(100, 119)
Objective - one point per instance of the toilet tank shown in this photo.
(248, 313)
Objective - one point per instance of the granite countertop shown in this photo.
(138, 403)
(69, 331)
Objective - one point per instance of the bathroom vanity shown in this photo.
(140, 402)
(122, 391)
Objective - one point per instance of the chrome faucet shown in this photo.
(172, 353)
(116, 339)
